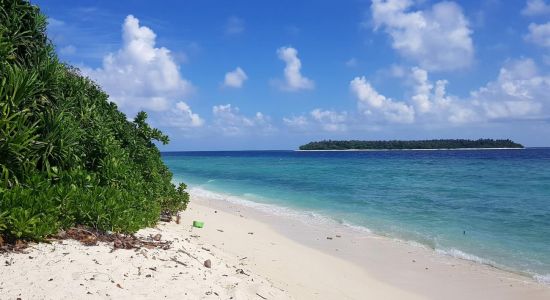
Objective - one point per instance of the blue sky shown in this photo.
(276, 74)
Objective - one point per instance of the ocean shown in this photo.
(488, 206)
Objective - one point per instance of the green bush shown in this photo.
(68, 156)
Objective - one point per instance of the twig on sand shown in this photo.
(261, 296)
(187, 253)
(179, 262)
(190, 255)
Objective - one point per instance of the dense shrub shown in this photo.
(67, 155)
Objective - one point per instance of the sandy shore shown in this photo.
(254, 255)
(359, 265)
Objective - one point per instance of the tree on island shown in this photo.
(403, 145)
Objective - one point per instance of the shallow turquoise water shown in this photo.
(491, 206)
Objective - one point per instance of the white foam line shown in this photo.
(306, 217)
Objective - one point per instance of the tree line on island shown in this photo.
(68, 156)
(408, 145)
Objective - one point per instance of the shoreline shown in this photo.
(268, 212)
(254, 255)
(397, 262)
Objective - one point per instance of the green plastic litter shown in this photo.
(198, 224)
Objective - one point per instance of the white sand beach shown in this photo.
(253, 256)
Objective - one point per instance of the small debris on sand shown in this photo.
(241, 271)
(91, 237)
(208, 263)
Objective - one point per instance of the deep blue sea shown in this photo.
(490, 206)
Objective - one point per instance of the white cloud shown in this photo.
(432, 104)
(230, 122)
(371, 103)
(235, 78)
(296, 122)
(140, 75)
(519, 92)
(329, 120)
(319, 120)
(536, 8)
(183, 117)
(436, 39)
(539, 34)
(234, 26)
(294, 80)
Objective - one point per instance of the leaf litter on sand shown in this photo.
(91, 237)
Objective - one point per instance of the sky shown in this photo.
(251, 75)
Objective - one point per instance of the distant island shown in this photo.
(409, 145)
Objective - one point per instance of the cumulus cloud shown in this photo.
(140, 75)
(231, 122)
(373, 104)
(539, 34)
(432, 103)
(330, 120)
(182, 117)
(520, 91)
(319, 120)
(234, 26)
(438, 38)
(296, 122)
(294, 80)
(536, 8)
(235, 78)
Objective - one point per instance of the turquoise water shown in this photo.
(490, 206)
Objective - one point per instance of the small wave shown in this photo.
(305, 216)
(264, 207)
(355, 227)
(545, 279)
(465, 256)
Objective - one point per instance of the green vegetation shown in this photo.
(403, 145)
(67, 155)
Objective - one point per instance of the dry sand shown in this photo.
(254, 255)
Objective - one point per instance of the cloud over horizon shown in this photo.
(230, 122)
